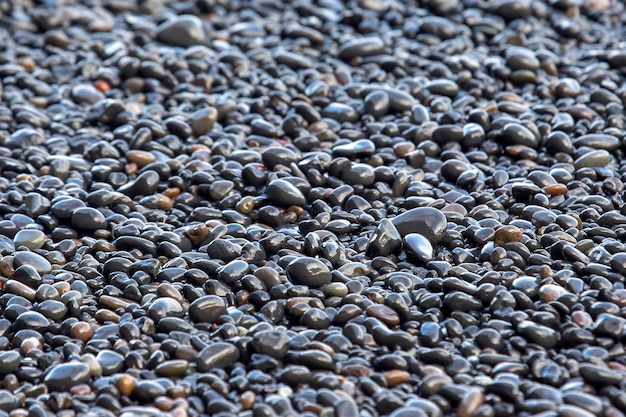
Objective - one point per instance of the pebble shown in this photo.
(419, 246)
(218, 355)
(32, 239)
(426, 221)
(310, 272)
(183, 30)
(285, 194)
(64, 376)
(361, 47)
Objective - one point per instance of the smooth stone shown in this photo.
(172, 368)
(340, 112)
(146, 391)
(232, 272)
(361, 47)
(220, 189)
(65, 208)
(518, 58)
(384, 313)
(145, 184)
(89, 219)
(31, 320)
(588, 402)
(52, 309)
(312, 358)
(314, 318)
(110, 362)
(538, 334)
(184, 30)
(308, 271)
(38, 262)
(601, 376)
(398, 100)
(8, 401)
(598, 141)
(359, 174)
(285, 194)
(274, 156)
(377, 103)
(517, 134)
(599, 158)
(64, 376)
(217, 355)
(618, 262)
(207, 309)
(86, 94)
(203, 120)
(271, 343)
(223, 249)
(418, 246)
(507, 234)
(359, 148)
(428, 222)
(32, 239)
(385, 240)
(9, 361)
(165, 307)
(452, 169)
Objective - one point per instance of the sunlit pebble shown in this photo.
(29, 344)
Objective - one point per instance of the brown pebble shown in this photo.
(395, 377)
(104, 315)
(29, 344)
(141, 158)
(80, 389)
(403, 148)
(198, 233)
(125, 384)
(6, 266)
(17, 288)
(383, 313)
(114, 302)
(81, 331)
(582, 318)
(247, 400)
(163, 403)
(507, 234)
(165, 203)
(555, 189)
(472, 399)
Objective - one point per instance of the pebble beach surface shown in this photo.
(312, 208)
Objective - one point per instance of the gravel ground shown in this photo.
(312, 208)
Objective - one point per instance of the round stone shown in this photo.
(285, 194)
(64, 376)
(217, 355)
(207, 309)
(308, 271)
(89, 219)
(30, 238)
